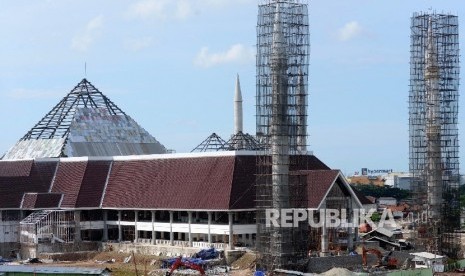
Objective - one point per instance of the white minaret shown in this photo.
(237, 107)
(433, 127)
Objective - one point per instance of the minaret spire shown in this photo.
(238, 107)
(433, 127)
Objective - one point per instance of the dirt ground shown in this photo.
(144, 264)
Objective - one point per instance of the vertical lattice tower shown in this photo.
(282, 77)
(433, 119)
(294, 22)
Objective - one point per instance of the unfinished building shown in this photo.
(433, 131)
(281, 122)
(190, 200)
(85, 123)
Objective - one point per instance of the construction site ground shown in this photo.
(144, 264)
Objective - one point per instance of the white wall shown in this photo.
(9, 231)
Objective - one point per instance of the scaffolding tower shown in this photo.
(295, 31)
(433, 131)
(281, 110)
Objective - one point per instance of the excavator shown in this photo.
(386, 261)
(179, 263)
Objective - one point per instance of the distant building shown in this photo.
(366, 180)
(399, 180)
(386, 201)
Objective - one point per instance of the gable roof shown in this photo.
(197, 181)
(36, 180)
(361, 197)
(320, 183)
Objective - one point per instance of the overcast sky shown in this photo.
(171, 65)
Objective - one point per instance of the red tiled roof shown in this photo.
(93, 183)
(38, 181)
(48, 200)
(184, 183)
(68, 181)
(15, 168)
(318, 184)
(29, 201)
(202, 183)
(243, 189)
(41, 201)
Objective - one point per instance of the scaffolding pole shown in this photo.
(433, 130)
(282, 79)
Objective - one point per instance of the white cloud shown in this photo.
(183, 9)
(137, 44)
(350, 30)
(83, 40)
(237, 53)
(223, 3)
(148, 8)
(160, 9)
(177, 9)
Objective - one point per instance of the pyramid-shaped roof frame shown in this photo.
(85, 123)
(213, 143)
(243, 141)
(57, 122)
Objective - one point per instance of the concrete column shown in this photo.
(209, 237)
(350, 232)
(77, 227)
(120, 227)
(250, 241)
(136, 220)
(105, 226)
(324, 235)
(231, 233)
(189, 217)
(171, 229)
(350, 237)
(154, 236)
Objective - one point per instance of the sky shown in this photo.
(172, 64)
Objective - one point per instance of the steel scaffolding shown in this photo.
(48, 226)
(295, 32)
(433, 131)
(282, 77)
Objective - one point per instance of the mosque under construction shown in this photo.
(88, 174)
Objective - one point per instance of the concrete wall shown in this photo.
(232, 255)
(150, 249)
(6, 247)
(323, 264)
(9, 231)
(33, 250)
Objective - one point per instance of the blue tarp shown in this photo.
(169, 262)
(2, 260)
(207, 254)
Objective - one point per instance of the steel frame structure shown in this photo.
(433, 130)
(56, 123)
(212, 143)
(281, 122)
